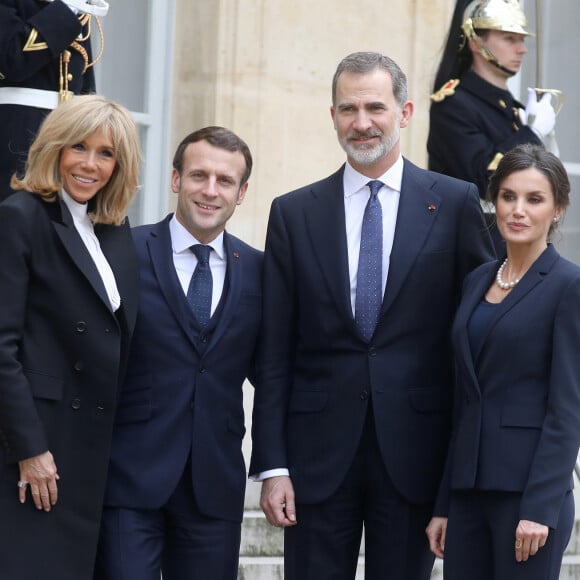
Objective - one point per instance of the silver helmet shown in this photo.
(504, 15)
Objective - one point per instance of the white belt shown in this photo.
(28, 97)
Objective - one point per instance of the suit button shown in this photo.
(79, 366)
(81, 326)
(100, 408)
(202, 369)
(364, 395)
(107, 330)
(75, 404)
(372, 351)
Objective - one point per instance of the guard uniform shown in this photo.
(472, 124)
(44, 50)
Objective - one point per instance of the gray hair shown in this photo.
(366, 62)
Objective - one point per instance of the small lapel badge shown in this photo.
(236, 255)
(431, 207)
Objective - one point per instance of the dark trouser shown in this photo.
(325, 543)
(139, 544)
(481, 535)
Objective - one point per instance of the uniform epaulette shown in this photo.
(445, 91)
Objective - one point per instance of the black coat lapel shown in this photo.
(160, 253)
(117, 246)
(418, 209)
(65, 229)
(234, 284)
(531, 279)
(326, 226)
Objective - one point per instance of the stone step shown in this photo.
(262, 568)
(261, 539)
(261, 552)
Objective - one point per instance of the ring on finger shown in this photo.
(519, 543)
(22, 484)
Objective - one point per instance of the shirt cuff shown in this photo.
(269, 473)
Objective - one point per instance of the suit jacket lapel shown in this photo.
(326, 226)
(418, 208)
(160, 252)
(469, 302)
(65, 229)
(234, 273)
(531, 279)
(118, 248)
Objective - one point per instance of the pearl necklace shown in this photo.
(505, 285)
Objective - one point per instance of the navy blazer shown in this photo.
(182, 397)
(317, 374)
(517, 423)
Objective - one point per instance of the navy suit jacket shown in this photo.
(182, 396)
(317, 374)
(517, 424)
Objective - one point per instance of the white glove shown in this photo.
(94, 7)
(540, 115)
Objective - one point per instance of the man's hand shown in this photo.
(277, 501)
(436, 531)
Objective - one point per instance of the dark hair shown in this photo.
(366, 62)
(529, 156)
(218, 137)
(457, 57)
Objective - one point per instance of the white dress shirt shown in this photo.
(185, 260)
(356, 196)
(84, 227)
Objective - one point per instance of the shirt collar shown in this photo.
(77, 210)
(182, 240)
(355, 181)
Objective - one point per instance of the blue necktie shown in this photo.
(200, 288)
(369, 279)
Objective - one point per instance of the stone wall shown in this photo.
(263, 68)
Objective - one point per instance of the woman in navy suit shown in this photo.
(505, 509)
(68, 303)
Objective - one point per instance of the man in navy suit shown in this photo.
(175, 493)
(354, 394)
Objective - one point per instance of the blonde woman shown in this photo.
(67, 308)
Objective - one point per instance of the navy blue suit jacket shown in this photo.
(317, 373)
(183, 397)
(517, 425)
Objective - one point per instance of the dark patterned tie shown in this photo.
(369, 279)
(200, 288)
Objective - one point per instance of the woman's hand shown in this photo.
(436, 531)
(40, 473)
(530, 537)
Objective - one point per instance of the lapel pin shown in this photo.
(236, 255)
(431, 207)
